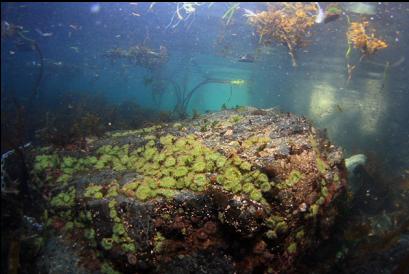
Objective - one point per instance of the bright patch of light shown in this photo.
(95, 8)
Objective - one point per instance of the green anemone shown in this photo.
(180, 171)
(143, 192)
(170, 161)
(167, 182)
(199, 166)
(200, 180)
(256, 195)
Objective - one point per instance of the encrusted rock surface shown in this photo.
(237, 191)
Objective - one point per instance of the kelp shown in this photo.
(228, 15)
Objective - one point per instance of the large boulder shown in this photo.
(237, 191)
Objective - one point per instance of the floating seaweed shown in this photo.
(358, 36)
(287, 23)
(361, 38)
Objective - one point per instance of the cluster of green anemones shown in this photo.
(61, 209)
(180, 163)
(276, 224)
(296, 240)
(43, 162)
(114, 157)
(185, 163)
(94, 191)
(314, 208)
(238, 177)
(119, 233)
(171, 163)
(67, 165)
(64, 199)
(168, 164)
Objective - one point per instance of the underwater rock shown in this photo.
(352, 165)
(187, 197)
(354, 161)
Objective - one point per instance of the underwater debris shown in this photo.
(247, 58)
(189, 193)
(286, 23)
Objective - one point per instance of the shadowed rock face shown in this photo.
(237, 191)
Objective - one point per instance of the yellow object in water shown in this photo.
(238, 82)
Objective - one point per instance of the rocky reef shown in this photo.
(237, 191)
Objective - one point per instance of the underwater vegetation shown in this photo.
(359, 37)
(184, 96)
(286, 23)
(228, 15)
(75, 119)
